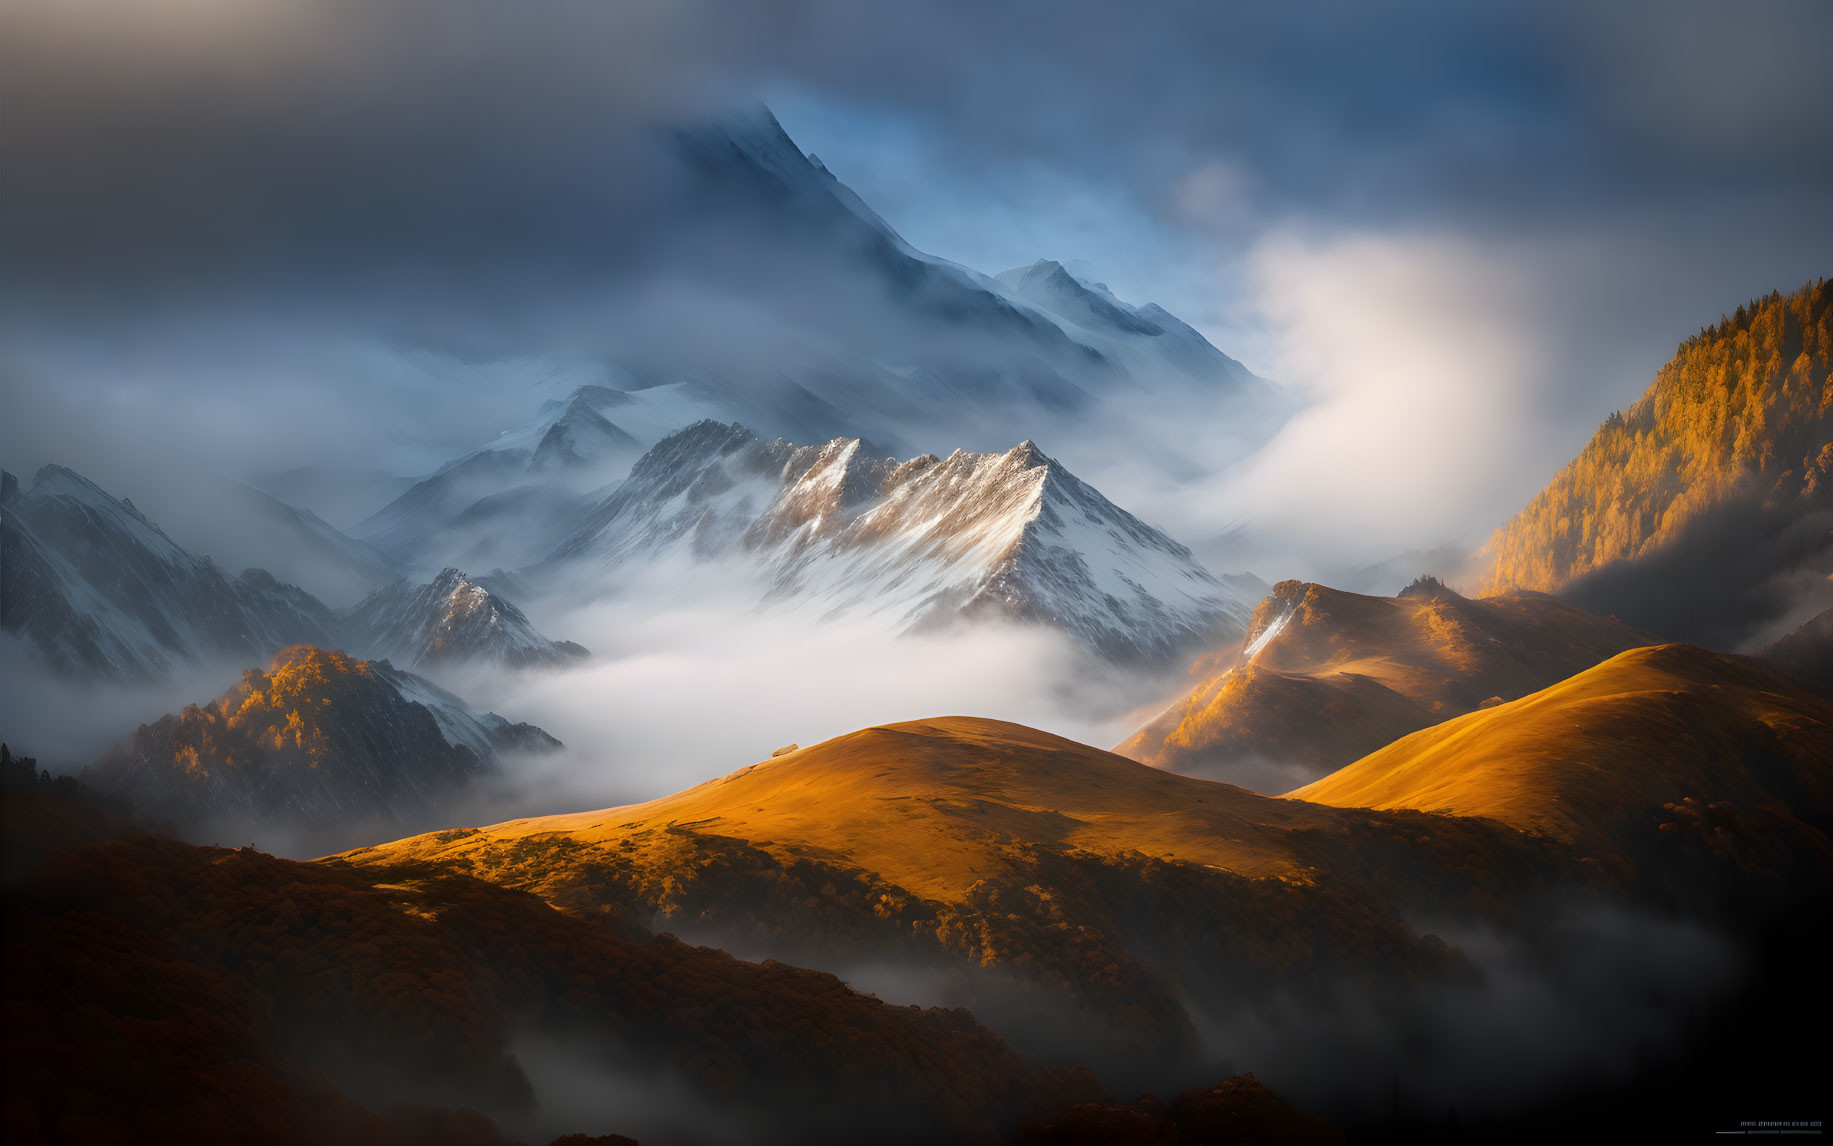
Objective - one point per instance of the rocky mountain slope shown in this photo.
(325, 561)
(100, 591)
(922, 542)
(1327, 677)
(1703, 511)
(1806, 651)
(447, 622)
(1148, 340)
(507, 501)
(316, 738)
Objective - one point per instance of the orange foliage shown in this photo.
(1745, 407)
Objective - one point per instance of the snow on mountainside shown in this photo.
(101, 591)
(1148, 340)
(316, 738)
(911, 348)
(449, 621)
(814, 319)
(923, 542)
(510, 499)
(580, 436)
(255, 528)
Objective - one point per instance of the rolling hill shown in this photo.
(1327, 677)
(1657, 746)
(1705, 509)
(1083, 904)
(1089, 906)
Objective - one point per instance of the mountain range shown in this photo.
(101, 592)
(1521, 854)
(927, 541)
(924, 351)
(832, 325)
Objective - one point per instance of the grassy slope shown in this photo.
(1349, 673)
(1113, 888)
(1672, 737)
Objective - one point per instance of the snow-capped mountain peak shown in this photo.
(451, 620)
(920, 542)
(580, 436)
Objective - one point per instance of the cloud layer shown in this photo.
(322, 215)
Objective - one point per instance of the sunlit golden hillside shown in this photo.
(1337, 675)
(1744, 410)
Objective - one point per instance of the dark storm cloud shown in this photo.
(170, 140)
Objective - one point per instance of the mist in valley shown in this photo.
(1360, 286)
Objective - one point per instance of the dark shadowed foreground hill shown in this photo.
(157, 991)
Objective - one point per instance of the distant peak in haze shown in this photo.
(101, 591)
(450, 621)
(1144, 339)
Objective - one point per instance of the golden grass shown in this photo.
(935, 805)
(1350, 673)
(1647, 729)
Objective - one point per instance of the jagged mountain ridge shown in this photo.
(102, 591)
(450, 620)
(878, 339)
(923, 541)
(1144, 339)
(316, 738)
(512, 496)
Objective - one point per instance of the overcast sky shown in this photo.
(1465, 232)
